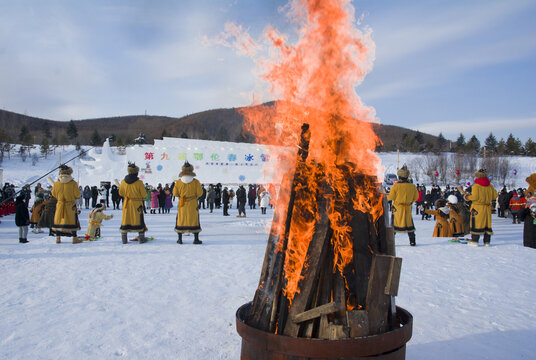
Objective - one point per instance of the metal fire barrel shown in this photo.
(262, 345)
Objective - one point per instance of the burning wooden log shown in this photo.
(332, 301)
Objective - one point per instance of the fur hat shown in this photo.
(187, 169)
(132, 168)
(65, 170)
(403, 172)
(482, 173)
(439, 203)
(452, 199)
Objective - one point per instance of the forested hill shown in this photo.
(217, 124)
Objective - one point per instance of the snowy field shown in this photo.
(161, 300)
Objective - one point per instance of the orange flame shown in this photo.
(315, 80)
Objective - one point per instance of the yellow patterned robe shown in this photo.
(403, 194)
(187, 211)
(66, 191)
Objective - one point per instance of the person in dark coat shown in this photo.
(217, 199)
(528, 215)
(503, 202)
(86, 195)
(225, 200)
(161, 200)
(252, 196)
(94, 196)
(203, 197)
(22, 218)
(241, 199)
(116, 199)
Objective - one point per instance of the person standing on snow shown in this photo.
(133, 192)
(482, 193)
(211, 197)
(22, 218)
(188, 190)
(225, 200)
(403, 194)
(66, 191)
(241, 197)
(265, 200)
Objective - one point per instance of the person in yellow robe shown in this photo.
(481, 196)
(455, 217)
(66, 191)
(133, 192)
(187, 190)
(403, 194)
(442, 227)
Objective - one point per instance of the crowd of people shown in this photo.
(457, 211)
(57, 207)
(460, 211)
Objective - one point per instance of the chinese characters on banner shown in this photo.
(213, 161)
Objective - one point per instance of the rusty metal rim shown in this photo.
(351, 347)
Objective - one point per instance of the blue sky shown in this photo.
(441, 66)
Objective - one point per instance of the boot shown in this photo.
(474, 240)
(412, 239)
(76, 240)
(196, 239)
(124, 239)
(487, 240)
(58, 239)
(23, 241)
(179, 241)
(141, 238)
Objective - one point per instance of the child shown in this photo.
(37, 209)
(442, 227)
(22, 218)
(95, 220)
(455, 218)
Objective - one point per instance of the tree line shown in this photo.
(510, 146)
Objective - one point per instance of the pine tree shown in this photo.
(419, 137)
(95, 138)
(221, 134)
(45, 148)
(473, 145)
(501, 147)
(72, 132)
(441, 142)
(460, 143)
(513, 146)
(530, 148)
(46, 130)
(184, 135)
(491, 143)
(24, 135)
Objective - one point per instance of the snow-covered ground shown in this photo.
(161, 300)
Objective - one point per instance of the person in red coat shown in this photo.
(517, 203)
